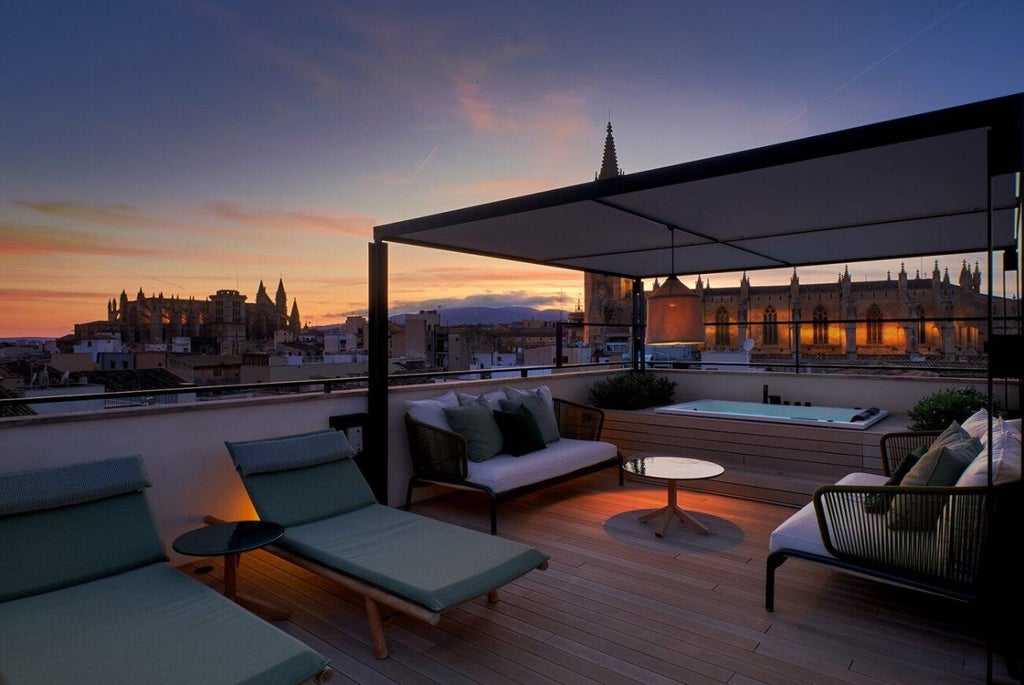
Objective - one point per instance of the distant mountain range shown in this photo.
(489, 316)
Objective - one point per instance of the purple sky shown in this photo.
(186, 147)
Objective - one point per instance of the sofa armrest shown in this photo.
(948, 553)
(578, 421)
(436, 452)
(895, 446)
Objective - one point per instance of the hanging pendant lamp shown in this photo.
(675, 314)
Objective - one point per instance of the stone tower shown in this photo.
(607, 299)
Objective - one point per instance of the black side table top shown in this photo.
(231, 537)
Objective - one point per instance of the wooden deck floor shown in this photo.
(618, 605)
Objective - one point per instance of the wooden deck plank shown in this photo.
(618, 605)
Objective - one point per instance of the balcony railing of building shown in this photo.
(997, 347)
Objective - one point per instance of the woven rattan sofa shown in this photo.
(954, 542)
(441, 455)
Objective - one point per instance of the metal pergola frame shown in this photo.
(943, 182)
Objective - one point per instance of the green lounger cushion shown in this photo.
(100, 524)
(331, 516)
(150, 625)
(321, 482)
(429, 562)
(308, 494)
(24, 491)
(296, 451)
(48, 550)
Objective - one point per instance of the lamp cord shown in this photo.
(672, 249)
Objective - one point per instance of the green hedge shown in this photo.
(938, 410)
(631, 390)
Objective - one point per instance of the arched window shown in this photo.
(722, 327)
(820, 325)
(874, 325)
(771, 326)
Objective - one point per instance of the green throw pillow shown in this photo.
(544, 414)
(943, 464)
(954, 433)
(476, 424)
(519, 431)
(940, 466)
(878, 503)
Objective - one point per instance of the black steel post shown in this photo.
(376, 437)
(639, 326)
(558, 344)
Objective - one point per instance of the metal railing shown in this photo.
(206, 393)
(796, 361)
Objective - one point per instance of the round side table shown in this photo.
(230, 539)
(671, 470)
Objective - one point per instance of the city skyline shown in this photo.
(189, 148)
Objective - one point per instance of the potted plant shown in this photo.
(631, 390)
(937, 410)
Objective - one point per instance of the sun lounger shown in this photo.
(87, 595)
(334, 526)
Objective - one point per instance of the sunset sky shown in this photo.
(186, 147)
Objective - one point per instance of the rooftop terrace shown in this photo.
(618, 605)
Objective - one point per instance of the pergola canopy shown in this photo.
(921, 185)
(944, 182)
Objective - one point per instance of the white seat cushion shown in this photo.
(505, 472)
(800, 531)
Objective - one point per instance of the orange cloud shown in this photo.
(28, 239)
(499, 189)
(127, 216)
(561, 116)
(294, 221)
(106, 215)
(481, 115)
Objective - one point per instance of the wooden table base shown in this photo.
(266, 609)
(673, 509)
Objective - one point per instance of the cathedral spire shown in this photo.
(965, 280)
(610, 161)
(281, 300)
(294, 322)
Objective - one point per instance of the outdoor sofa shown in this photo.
(87, 595)
(930, 522)
(456, 441)
(335, 527)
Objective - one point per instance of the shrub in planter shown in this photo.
(631, 390)
(938, 410)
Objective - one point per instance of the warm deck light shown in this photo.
(675, 314)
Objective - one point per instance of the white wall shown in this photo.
(183, 445)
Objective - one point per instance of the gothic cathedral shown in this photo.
(916, 317)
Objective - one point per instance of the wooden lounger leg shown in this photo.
(492, 596)
(380, 642)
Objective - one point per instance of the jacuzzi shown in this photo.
(835, 417)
